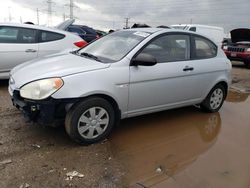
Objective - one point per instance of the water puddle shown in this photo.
(157, 146)
(235, 96)
(167, 149)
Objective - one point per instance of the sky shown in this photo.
(111, 14)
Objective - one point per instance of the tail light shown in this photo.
(81, 43)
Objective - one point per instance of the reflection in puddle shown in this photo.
(157, 146)
(235, 96)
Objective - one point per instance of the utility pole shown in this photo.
(71, 6)
(64, 16)
(10, 18)
(37, 16)
(49, 2)
(126, 23)
(71, 9)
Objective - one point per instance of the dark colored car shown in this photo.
(101, 33)
(239, 48)
(86, 33)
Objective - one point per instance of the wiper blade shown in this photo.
(90, 56)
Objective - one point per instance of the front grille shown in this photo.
(236, 49)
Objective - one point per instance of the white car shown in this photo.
(217, 34)
(124, 74)
(24, 42)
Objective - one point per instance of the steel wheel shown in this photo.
(90, 120)
(216, 98)
(93, 122)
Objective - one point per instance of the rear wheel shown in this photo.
(90, 120)
(214, 99)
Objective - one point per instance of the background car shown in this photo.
(24, 42)
(239, 48)
(86, 33)
(101, 33)
(215, 33)
(123, 74)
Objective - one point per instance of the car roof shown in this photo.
(30, 26)
(147, 29)
(152, 30)
(197, 25)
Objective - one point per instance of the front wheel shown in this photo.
(214, 99)
(90, 120)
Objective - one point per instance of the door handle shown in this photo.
(30, 50)
(187, 68)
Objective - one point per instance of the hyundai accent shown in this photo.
(124, 74)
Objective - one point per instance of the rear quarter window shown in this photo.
(203, 48)
(47, 36)
(17, 35)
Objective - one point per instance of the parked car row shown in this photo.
(24, 42)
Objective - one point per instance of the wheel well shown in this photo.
(225, 85)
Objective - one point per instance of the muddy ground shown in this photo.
(181, 148)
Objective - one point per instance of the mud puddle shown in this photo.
(187, 148)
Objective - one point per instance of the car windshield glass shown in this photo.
(115, 46)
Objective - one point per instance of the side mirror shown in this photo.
(144, 60)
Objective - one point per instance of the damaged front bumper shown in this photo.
(50, 112)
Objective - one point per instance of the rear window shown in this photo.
(204, 48)
(89, 30)
(17, 35)
(76, 30)
(47, 36)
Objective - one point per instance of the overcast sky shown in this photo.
(108, 14)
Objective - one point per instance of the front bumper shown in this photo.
(49, 112)
(238, 56)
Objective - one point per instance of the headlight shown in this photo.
(225, 47)
(41, 89)
(248, 49)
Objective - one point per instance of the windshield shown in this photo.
(115, 46)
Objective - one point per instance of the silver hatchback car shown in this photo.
(124, 74)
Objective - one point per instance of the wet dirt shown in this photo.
(182, 148)
(240, 77)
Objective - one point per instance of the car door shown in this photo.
(170, 82)
(50, 43)
(17, 45)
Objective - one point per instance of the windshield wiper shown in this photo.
(90, 56)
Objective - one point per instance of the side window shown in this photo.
(204, 48)
(47, 36)
(17, 35)
(76, 30)
(169, 48)
(192, 29)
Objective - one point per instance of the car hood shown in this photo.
(57, 65)
(238, 35)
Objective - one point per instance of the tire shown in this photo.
(217, 95)
(247, 64)
(84, 126)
